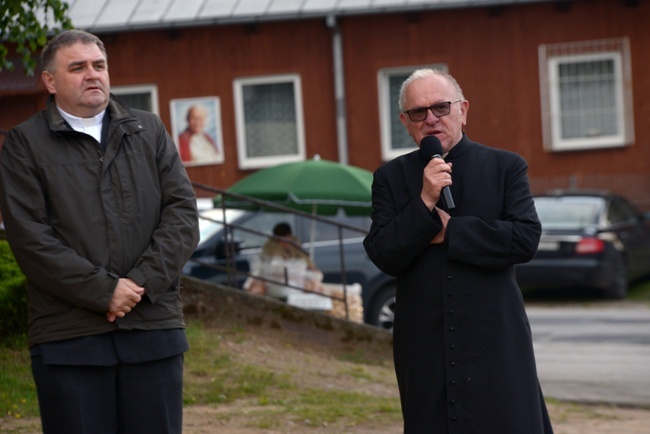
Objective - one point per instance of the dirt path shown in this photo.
(233, 419)
(566, 418)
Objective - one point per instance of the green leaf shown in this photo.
(21, 30)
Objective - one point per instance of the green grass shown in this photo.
(318, 407)
(640, 291)
(214, 377)
(17, 391)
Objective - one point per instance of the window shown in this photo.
(622, 212)
(586, 95)
(269, 120)
(143, 97)
(395, 140)
(262, 222)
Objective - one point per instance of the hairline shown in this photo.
(419, 74)
(66, 39)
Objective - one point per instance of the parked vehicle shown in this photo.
(238, 249)
(590, 239)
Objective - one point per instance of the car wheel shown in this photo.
(619, 286)
(382, 309)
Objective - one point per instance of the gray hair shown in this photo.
(65, 39)
(425, 73)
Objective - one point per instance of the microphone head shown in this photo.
(430, 146)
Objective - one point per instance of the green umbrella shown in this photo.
(315, 186)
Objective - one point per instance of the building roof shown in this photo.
(124, 15)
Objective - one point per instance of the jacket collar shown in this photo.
(119, 113)
(461, 147)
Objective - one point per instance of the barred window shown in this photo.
(586, 95)
(142, 97)
(269, 120)
(395, 140)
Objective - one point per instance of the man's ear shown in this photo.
(48, 79)
(464, 107)
(403, 120)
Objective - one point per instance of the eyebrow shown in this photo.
(83, 62)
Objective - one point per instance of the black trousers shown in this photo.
(138, 398)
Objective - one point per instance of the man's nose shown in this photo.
(92, 73)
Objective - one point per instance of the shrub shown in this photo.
(13, 296)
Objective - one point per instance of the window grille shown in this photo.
(269, 120)
(142, 97)
(586, 94)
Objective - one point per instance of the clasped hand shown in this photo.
(126, 295)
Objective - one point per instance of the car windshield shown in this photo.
(572, 212)
(211, 221)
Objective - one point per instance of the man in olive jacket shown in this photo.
(101, 217)
(462, 344)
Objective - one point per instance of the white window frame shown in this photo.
(383, 79)
(246, 162)
(152, 89)
(551, 57)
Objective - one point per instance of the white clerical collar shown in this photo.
(91, 126)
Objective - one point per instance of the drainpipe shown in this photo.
(339, 89)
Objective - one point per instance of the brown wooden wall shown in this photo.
(493, 52)
(204, 62)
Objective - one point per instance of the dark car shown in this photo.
(595, 240)
(239, 250)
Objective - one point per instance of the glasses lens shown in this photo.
(441, 109)
(418, 114)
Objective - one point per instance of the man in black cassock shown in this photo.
(462, 344)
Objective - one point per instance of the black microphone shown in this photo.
(430, 147)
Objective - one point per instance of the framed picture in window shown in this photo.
(196, 129)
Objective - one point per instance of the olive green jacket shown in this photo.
(78, 217)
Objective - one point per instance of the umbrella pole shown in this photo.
(312, 236)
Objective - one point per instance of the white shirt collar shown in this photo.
(91, 126)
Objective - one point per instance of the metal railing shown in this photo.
(233, 274)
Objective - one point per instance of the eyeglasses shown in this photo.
(439, 110)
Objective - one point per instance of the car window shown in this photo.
(324, 231)
(572, 212)
(262, 222)
(211, 221)
(621, 212)
(253, 229)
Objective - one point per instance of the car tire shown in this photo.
(382, 309)
(619, 285)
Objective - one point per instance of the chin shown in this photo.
(97, 104)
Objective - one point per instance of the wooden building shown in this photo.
(564, 83)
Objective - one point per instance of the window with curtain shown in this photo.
(586, 95)
(395, 140)
(269, 120)
(143, 97)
